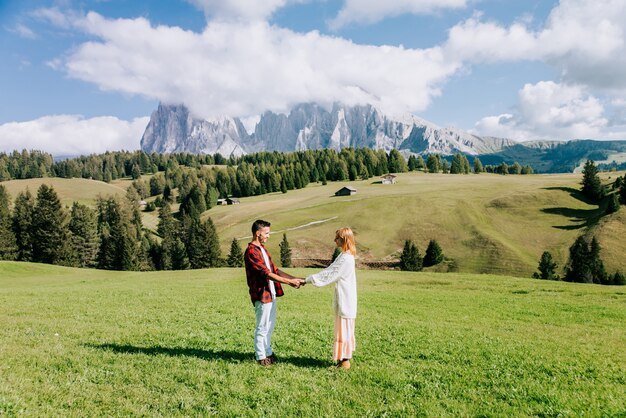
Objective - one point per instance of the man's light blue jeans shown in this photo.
(265, 321)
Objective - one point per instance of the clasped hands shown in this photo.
(297, 282)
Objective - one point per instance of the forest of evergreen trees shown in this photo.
(110, 236)
(248, 175)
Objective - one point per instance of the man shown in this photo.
(264, 283)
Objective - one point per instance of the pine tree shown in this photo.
(445, 166)
(613, 205)
(597, 266)
(618, 279)
(119, 248)
(433, 255)
(178, 253)
(8, 246)
(132, 202)
(167, 229)
(579, 268)
(83, 229)
(421, 165)
(591, 184)
(285, 252)
(465, 165)
(432, 163)
(410, 259)
(167, 193)
(478, 166)
(457, 165)
(167, 224)
(144, 257)
(396, 162)
(202, 243)
(585, 264)
(135, 172)
(622, 192)
(22, 225)
(49, 229)
(547, 268)
(516, 168)
(157, 184)
(235, 257)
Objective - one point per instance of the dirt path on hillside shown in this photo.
(295, 227)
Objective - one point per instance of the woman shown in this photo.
(342, 272)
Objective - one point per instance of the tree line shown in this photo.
(110, 236)
(248, 175)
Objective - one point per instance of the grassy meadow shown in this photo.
(485, 223)
(92, 343)
(83, 191)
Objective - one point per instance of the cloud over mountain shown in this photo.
(245, 68)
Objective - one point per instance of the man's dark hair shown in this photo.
(259, 224)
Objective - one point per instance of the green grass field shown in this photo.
(92, 343)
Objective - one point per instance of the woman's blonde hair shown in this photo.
(346, 237)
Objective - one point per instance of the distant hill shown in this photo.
(172, 128)
(484, 223)
(69, 190)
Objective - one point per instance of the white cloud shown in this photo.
(243, 69)
(585, 40)
(23, 31)
(73, 134)
(548, 110)
(371, 11)
(240, 9)
(55, 16)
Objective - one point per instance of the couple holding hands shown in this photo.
(264, 283)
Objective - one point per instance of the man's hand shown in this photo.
(297, 283)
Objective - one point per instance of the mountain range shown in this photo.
(172, 128)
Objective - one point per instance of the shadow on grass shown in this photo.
(224, 355)
(582, 218)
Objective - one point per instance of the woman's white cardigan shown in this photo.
(341, 271)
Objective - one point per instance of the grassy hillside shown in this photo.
(485, 223)
(85, 342)
(69, 190)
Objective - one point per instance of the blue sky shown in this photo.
(84, 76)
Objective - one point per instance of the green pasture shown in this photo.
(485, 223)
(92, 343)
(79, 190)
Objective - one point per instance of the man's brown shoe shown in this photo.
(272, 358)
(266, 362)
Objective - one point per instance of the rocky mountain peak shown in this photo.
(307, 126)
